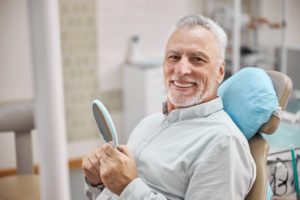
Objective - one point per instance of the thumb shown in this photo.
(124, 149)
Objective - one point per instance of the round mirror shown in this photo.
(104, 123)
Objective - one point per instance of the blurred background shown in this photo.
(113, 51)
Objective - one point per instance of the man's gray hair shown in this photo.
(191, 21)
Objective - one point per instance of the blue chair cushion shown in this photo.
(249, 98)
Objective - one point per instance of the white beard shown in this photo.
(179, 99)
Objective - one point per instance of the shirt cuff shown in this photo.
(99, 186)
(92, 192)
(136, 189)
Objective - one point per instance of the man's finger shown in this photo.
(89, 169)
(106, 159)
(99, 153)
(95, 167)
(93, 159)
(124, 149)
(109, 150)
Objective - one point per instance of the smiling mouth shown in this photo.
(183, 84)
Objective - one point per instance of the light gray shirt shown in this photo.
(192, 153)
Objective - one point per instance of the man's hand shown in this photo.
(117, 168)
(91, 166)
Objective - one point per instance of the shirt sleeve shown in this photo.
(227, 173)
(135, 190)
(138, 190)
(91, 193)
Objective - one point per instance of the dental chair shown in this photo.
(254, 99)
(258, 145)
(18, 118)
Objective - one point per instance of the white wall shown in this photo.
(272, 9)
(15, 65)
(15, 57)
(118, 20)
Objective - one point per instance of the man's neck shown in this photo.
(170, 106)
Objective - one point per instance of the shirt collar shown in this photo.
(200, 110)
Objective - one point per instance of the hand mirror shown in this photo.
(104, 123)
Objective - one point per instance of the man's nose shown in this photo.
(183, 67)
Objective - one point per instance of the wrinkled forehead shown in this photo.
(195, 38)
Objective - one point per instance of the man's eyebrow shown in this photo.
(172, 52)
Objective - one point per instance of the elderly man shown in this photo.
(193, 151)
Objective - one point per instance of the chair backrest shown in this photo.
(258, 145)
(283, 87)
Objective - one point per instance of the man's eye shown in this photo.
(173, 57)
(197, 59)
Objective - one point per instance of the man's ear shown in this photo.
(221, 73)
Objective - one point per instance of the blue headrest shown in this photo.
(249, 98)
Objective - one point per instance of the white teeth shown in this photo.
(183, 85)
